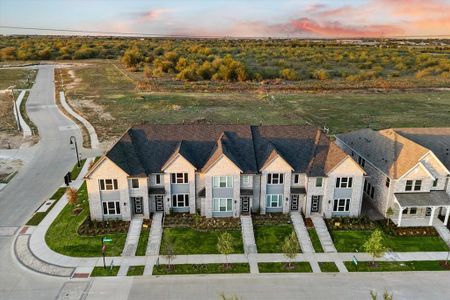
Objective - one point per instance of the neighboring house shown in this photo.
(408, 171)
(224, 171)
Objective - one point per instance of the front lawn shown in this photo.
(62, 236)
(391, 266)
(281, 267)
(328, 266)
(100, 271)
(143, 241)
(186, 240)
(315, 240)
(76, 170)
(352, 240)
(200, 269)
(135, 270)
(270, 238)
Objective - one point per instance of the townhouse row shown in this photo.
(224, 171)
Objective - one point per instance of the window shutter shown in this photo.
(347, 205)
(102, 184)
(281, 178)
(350, 181)
(269, 178)
(105, 208)
(186, 178)
(186, 200)
(335, 205)
(118, 207)
(115, 184)
(338, 182)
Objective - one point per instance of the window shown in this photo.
(388, 182)
(108, 184)
(418, 185)
(135, 183)
(246, 180)
(275, 178)
(158, 178)
(405, 211)
(180, 200)
(412, 210)
(372, 192)
(223, 181)
(222, 204)
(435, 182)
(274, 200)
(319, 181)
(365, 185)
(361, 161)
(341, 205)
(296, 178)
(344, 182)
(409, 185)
(179, 178)
(111, 208)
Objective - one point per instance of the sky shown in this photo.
(251, 18)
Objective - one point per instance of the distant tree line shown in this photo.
(239, 60)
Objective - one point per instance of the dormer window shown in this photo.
(158, 179)
(417, 184)
(296, 178)
(179, 178)
(344, 182)
(435, 182)
(319, 181)
(135, 183)
(275, 178)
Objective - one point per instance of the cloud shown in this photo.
(149, 15)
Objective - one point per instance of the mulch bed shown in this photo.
(201, 223)
(346, 223)
(407, 231)
(445, 265)
(94, 228)
(271, 219)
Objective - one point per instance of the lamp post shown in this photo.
(73, 140)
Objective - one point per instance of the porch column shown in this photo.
(447, 214)
(400, 213)
(433, 209)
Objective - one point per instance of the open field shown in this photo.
(112, 103)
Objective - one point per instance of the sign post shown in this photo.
(105, 240)
(355, 262)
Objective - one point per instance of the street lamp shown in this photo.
(73, 140)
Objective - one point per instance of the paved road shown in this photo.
(414, 285)
(52, 157)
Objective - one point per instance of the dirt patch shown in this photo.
(91, 105)
(9, 166)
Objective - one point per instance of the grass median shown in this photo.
(201, 269)
(76, 170)
(281, 267)
(393, 266)
(37, 217)
(100, 271)
(62, 236)
(135, 270)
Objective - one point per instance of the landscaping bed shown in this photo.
(200, 269)
(390, 266)
(93, 228)
(135, 270)
(201, 223)
(100, 271)
(185, 240)
(328, 267)
(62, 235)
(270, 238)
(37, 217)
(346, 223)
(315, 240)
(391, 228)
(281, 267)
(271, 219)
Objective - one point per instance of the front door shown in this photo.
(245, 205)
(294, 202)
(315, 204)
(159, 204)
(138, 209)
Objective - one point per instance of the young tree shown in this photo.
(72, 196)
(389, 214)
(225, 245)
(291, 247)
(374, 245)
(169, 254)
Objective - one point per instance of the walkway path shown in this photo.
(248, 237)
(442, 230)
(154, 240)
(131, 243)
(302, 233)
(324, 235)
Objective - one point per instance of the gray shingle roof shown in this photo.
(144, 149)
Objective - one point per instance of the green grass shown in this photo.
(389, 266)
(100, 271)
(201, 269)
(63, 238)
(37, 218)
(189, 241)
(352, 240)
(270, 238)
(135, 270)
(76, 170)
(280, 267)
(328, 267)
(315, 240)
(143, 241)
(24, 114)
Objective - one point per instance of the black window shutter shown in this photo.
(350, 181)
(105, 208)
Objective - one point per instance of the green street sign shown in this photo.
(355, 260)
(107, 240)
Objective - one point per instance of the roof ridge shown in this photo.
(314, 150)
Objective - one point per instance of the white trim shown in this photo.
(217, 160)
(170, 161)
(352, 160)
(419, 164)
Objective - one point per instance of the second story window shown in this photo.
(344, 182)
(158, 178)
(361, 161)
(388, 182)
(223, 181)
(319, 181)
(246, 180)
(435, 182)
(108, 184)
(417, 184)
(275, 178)
(296, 178)
(178, 178)
(135, 183)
